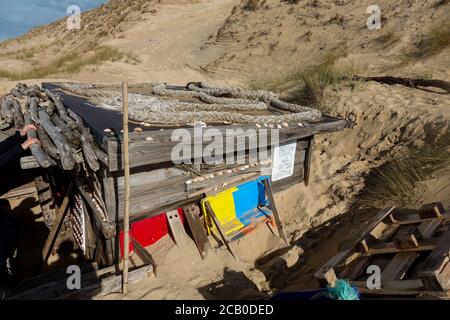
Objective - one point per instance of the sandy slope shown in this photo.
(211, 41)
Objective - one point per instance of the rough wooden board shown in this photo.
(308, 158)
(23, 190)
(220, 231)
(354, 270)
(177, 228)
(326, 275)
(192, 214)
(390, 247)
(403, 261)
(143, 254)
(431, 210)
(436, 273)
(407, 237)
(399, 265)
(60, 214)
(273, 208)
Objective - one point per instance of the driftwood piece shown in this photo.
(27, 163)
(64, 150)
(414, 83)
(33, 104)
(86, 142)
(7, 110)
(47, 143)
(61, 109)
(102, 156)
(41, 157)
(18, 116)
(72, 136)
(50, 108)
(16, 93)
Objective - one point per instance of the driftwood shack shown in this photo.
(157, 184)
(185, 143)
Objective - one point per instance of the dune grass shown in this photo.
(72, 63)
(388, 38)
(308, 85)
(436, 40)
(403, 182)
(251, 5)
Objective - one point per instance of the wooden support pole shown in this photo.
(308, 158)
(60, 215)
(268, 189)
(126, 215)
(222, 234)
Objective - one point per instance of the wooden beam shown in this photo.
(436, 273)
(126, 217)
(308, 159)
(220, 231)
(61, 212)
(273, 207)
(192, 214)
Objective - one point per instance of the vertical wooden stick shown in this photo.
(126, 215)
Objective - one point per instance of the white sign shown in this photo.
(283, 161)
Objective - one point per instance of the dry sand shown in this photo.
(210, 41)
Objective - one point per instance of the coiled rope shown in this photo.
(222, 104)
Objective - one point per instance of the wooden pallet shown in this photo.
(411, 247)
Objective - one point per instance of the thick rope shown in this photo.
(225, 104)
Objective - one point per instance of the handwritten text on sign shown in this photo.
(283, 161)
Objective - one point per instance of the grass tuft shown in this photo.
(403, 182)
(72, 63)
(251, 5)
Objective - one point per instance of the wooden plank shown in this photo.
(431, 210)
(192, 214)
(220, 231)
(143, 254)
(308, 159)
(177, 228)
(28, 163)
(46, 202)
(109, 194)
(407, 237)
(394, 287)
(425, 213)
(428, 228)
(399, 265)
(391, 247)
(60, 215)
(354, 270)
(326, 275)
(20, 191)
(403, 261)
(436, 273)
(273, 208)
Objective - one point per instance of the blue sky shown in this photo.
(20, 16)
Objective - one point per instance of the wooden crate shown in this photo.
(411, 247)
